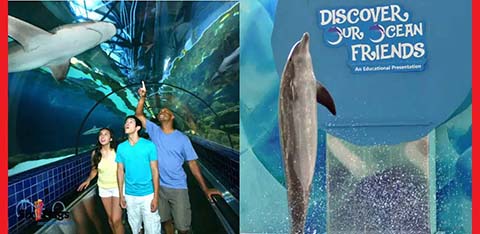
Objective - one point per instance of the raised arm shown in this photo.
(142, 92)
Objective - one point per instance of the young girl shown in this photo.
(103, 163)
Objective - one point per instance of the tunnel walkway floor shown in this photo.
(88, 216)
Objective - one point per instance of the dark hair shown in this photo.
(97, 155)
(137, 121)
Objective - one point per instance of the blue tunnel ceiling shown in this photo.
(190, 45)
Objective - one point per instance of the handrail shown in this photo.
(221, 205)
(229, 221)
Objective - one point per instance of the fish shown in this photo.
(34, 47)
(91, 131)
(298, 97)
(231, 62)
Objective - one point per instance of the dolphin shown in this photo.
(299, 92)
(34, 47)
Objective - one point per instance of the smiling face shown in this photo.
(104, 137)
(165, 115)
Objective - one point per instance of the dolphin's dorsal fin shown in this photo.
(324, 98)
(24, 33)
(59, 71)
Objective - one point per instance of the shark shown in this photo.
(34, 47)
(91, 131)
(298, 97)
(229, 62)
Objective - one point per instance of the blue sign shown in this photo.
(395, 71)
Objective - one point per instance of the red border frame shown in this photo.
(4, 119)
(475, 97)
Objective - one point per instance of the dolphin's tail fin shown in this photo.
(324, 98)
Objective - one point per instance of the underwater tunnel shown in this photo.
(187, 54)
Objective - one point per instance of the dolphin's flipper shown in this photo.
(59, 71)
(324, 98)
(24, 33)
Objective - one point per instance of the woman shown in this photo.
(103, 163)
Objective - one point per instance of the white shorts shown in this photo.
(138, 211)
(108, 192)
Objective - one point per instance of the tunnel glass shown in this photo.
(191, 47)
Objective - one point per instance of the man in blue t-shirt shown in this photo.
(137, 167)
(173, 148)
